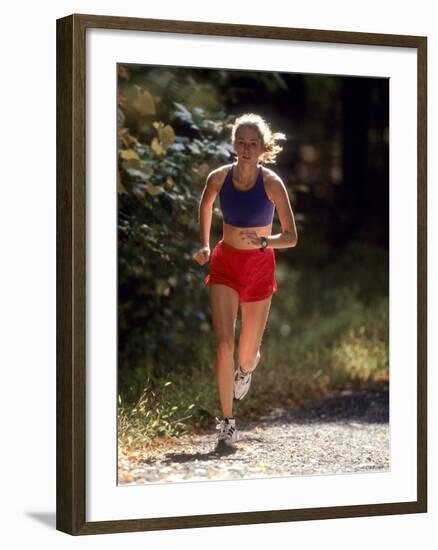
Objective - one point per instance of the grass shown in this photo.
(327, 331)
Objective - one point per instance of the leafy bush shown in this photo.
(163, 160)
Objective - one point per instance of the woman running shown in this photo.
(242, 267)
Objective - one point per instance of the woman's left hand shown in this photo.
(250, 237)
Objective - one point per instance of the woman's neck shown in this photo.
(245, 173)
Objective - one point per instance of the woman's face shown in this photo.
(248, 145)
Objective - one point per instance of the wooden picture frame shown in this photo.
(71, 273)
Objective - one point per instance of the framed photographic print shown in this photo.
(241, 274)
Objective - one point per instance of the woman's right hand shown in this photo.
(202, 256)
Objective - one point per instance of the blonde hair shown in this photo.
(269, 139)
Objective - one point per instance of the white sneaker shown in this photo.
(227, 431)
(242, 382)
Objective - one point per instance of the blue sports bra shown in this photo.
(250, 208)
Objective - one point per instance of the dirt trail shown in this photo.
(347, 433)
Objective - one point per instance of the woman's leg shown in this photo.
(224, 303)
(254, 318)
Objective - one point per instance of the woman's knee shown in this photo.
(225, 346)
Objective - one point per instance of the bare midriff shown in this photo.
(231, 235)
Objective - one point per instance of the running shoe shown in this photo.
(242, 382)
(227, 431)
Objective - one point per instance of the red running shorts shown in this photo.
(251, 272)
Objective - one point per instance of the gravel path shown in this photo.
(346, 433)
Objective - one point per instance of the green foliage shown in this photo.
(154, 413)
(164, 409)
(163, 161)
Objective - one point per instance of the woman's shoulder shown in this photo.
(271, 181)
(269, 175)
(217, 176)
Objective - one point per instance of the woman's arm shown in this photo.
(205, 211)
(278, 194)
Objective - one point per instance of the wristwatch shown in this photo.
(263, 243)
